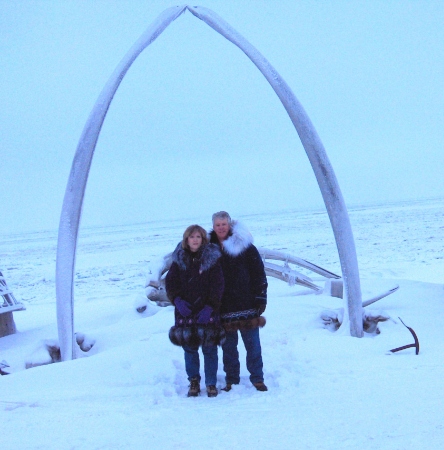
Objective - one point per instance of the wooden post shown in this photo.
(7, 324)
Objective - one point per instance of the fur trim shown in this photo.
(208, 256)
(197, 336)
(249, 324)
(235, 316)
(239, 240)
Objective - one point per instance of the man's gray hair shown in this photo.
(221, 215)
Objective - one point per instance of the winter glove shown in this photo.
(203, 316)
(182, 306)
(261, 308)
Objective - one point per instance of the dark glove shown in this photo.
(203, 316)
(182, 306)
(261, 308)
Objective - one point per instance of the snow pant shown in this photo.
(192, 363)
(254, 356)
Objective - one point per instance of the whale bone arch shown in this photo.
(75, 189)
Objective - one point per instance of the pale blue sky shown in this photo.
(195, 127)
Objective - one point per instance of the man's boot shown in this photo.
(260, 386)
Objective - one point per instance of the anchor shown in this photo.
(415, 344)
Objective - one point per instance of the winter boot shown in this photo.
(212, 390)
(260, 386)
(227, 388)
(194, 389)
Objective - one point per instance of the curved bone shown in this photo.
(290, 276)
(380, 296)
(73, 200)
(75, 189)
(281, 256)
(326, 178)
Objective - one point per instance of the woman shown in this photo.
(195, 285)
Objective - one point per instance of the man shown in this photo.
(244, 298)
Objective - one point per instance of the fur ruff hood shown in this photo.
(238, 240)
(208, 255)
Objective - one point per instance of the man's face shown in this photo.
(221, 228)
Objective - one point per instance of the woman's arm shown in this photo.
(173, 284)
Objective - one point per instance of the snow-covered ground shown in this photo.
(326, 390)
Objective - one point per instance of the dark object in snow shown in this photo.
(3, 365)
(141, 309)
(332, 320)
(371, 321)
(415, 344)
(48, 352)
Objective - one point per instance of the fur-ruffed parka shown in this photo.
(245, 280)
(196, 278)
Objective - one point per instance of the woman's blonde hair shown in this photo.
(189, 231)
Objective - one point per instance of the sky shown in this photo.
(195, 128)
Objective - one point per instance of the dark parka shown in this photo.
(196, 278)
(245, 280)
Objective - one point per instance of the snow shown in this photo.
(326, 390)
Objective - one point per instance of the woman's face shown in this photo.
(194, 241)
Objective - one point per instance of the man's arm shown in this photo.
(258, 279)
